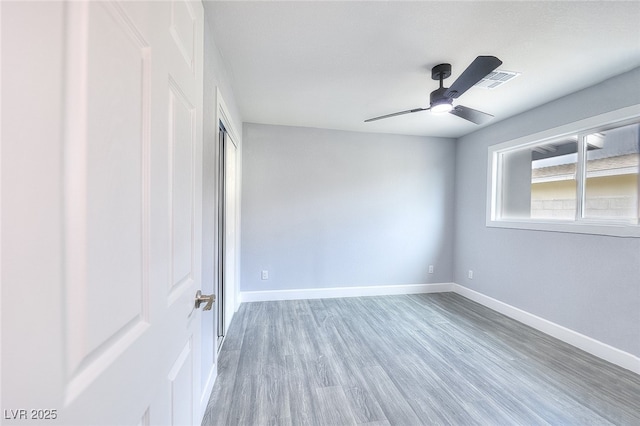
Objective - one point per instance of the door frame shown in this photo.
(223, 115)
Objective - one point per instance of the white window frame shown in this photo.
(622, 228)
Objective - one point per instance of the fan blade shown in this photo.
(397, 113)
(471, 114)
(479, 68)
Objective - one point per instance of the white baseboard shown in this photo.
(586, 343)
(329, 293)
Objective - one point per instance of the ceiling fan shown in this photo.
(441, 99)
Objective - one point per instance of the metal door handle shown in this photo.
(203, 298)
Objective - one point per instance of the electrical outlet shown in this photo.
(470, 274)
(265, 275)
(431, 269)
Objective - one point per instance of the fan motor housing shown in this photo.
(437, 96)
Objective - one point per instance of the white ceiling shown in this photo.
(334, 64)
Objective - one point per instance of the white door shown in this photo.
(101, 212)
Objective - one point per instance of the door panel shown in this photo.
(101, 239)
(183, 29)
(181, 383)
(182, 133)
(106, 178)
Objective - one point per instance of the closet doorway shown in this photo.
(226, 258)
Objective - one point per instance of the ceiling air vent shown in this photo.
(496, 78)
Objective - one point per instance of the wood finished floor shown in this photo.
(408, 360)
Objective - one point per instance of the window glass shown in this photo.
(553, 180)
(611, 184)
(539, 181)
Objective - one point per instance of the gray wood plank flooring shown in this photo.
(430, 359)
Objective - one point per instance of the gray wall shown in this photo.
(587, 283)
(326, 208)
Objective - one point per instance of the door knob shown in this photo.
(203, 298)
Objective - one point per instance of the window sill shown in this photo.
(625, 230)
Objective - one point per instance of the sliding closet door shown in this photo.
(221, 264)
(232, 198)
(227, 223)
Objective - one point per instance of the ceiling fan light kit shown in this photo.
(441, 106)
(441, 99)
